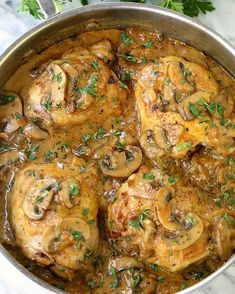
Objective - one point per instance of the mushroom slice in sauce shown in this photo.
(185, 233)
(35, 132)
(69, 192)
(224, 236)
(183, 107)
(103, 50)
(162, 204)
(176, 75)
(192, 231)
(38, 198)
(122, 164)
(51, 239)
(148, 142)
(10, 108)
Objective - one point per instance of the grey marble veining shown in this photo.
(14, 25)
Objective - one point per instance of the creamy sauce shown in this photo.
(154, 218)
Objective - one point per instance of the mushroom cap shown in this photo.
(35, 132)
(38, 198)
(122, 164)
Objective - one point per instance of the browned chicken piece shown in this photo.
(146, 221)
(74, 89)
(54, 215)
(173, 99)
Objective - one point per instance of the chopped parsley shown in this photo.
(122, 85)
(197, 275)
(57, 77)
(77, 235)
(147, 44)
(49, 155)
(39, 199)
(117, 133)
(136, 222)
(91, 284)
(119, 146)
(88, 254)
(47, 104)
(153, 267)
(91, 222)
(90, 89)
(74, 190)
(99, 134)
(173, 180)
(183, 146)
(129, 58)
(161, 279)
(85, 211)
(114, 283)
(31, 151)
(86, 138)
(148, 176)
(4, 147)
(190, 221)
(18, 115)
(5, 99)
(124, 37)
(95, 65)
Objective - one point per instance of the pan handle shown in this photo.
(49, 7)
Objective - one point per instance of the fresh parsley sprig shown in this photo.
(189, 7)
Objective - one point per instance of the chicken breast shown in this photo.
(147, 223)
(71, 90)
(54, 214)
(176, 100)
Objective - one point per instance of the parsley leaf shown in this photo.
(175, 5)
(194, 7)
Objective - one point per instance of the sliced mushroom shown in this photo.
(38, 198)
(224, 237)
(160, 137)
(148, 142)
(125, 262)
(122, 164)
(35, 132)
(176, 75)
(51, 239)
(184, 233)
(103, 50)
(192, 231)
(69, 192)
(183, 107)
(10, 108)
(77, 224)
(70, 70)
(163, 198)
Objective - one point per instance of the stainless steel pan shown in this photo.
(106, 16)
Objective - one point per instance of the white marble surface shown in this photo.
(13, 25)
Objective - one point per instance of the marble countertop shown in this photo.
(12, 26)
